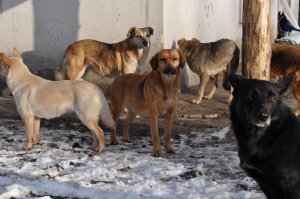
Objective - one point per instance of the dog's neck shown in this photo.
(15, 77)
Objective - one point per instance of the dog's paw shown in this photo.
(170, 150)
(126, 140)
(100, 149)
(156, 153)
(207, 97)
(28, 147)
(114, 142)
(196, 101)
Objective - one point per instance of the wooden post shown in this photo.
(256, 46)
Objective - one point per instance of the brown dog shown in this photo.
(150, 95)
(208, 60)
(285, 62)
(127, 56)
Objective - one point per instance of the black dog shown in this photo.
(268, 135)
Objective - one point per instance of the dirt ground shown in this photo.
(212, 113)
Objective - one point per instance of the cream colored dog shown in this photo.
(38, 98)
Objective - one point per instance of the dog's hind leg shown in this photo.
(214, 79)
(130, 117)
(75, 68)
(116, 109)
(203, 81)
(36, 130)
(28, 121)
(230, 97)
(169, 117)
(99, 144)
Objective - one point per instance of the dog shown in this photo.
(38, 98)
(127, 56)
(150, 95)
(285, 61)
(268, 135)
(208, 60)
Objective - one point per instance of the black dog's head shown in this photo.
(256, 102)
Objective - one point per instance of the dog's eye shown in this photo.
(163, 59)
(175, 59)
(272, 98)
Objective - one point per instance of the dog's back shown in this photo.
(285, 62)
(268, 136)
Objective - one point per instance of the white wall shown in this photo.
(207, 20)
(42, 29)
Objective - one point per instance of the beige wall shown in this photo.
(42, 29)
(207, 20)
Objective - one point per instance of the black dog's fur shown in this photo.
(268, 136)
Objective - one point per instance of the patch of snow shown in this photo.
(63, 166)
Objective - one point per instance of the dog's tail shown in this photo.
(60, 72)
(231, 68)
(105, 114)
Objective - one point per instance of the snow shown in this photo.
(205, 165)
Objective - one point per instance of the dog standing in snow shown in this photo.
(38, 98)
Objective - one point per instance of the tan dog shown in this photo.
(208, 60)
(285, 62)
(150, 95)
(127, 56)
(38, 98)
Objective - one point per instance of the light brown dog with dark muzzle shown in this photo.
(150, 95)
(127, 56)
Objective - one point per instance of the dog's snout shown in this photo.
(263, 117)
(169, 70)
(145, 42)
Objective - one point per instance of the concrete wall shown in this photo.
(207, 20)
(42, 29)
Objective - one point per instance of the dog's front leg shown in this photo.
(28, 123)
(36, 130)
(203, 81)
(214, 87)
(169, 118)
(154, 134)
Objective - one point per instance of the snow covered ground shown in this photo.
(61, 166)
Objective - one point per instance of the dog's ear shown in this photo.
(195, 40)
(284, 84)
(6, 60)
(235, 80)
(180, 42)
(182, 59)
(131, 32)
(16, 53)
(149, 31)
(154, 62)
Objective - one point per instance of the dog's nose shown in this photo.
(170, 70)
(263, 117)
(145, 42)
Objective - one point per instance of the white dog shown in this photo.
(37, 98)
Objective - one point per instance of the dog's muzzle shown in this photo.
(169, 70)
(145, 42)
(263, 120)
